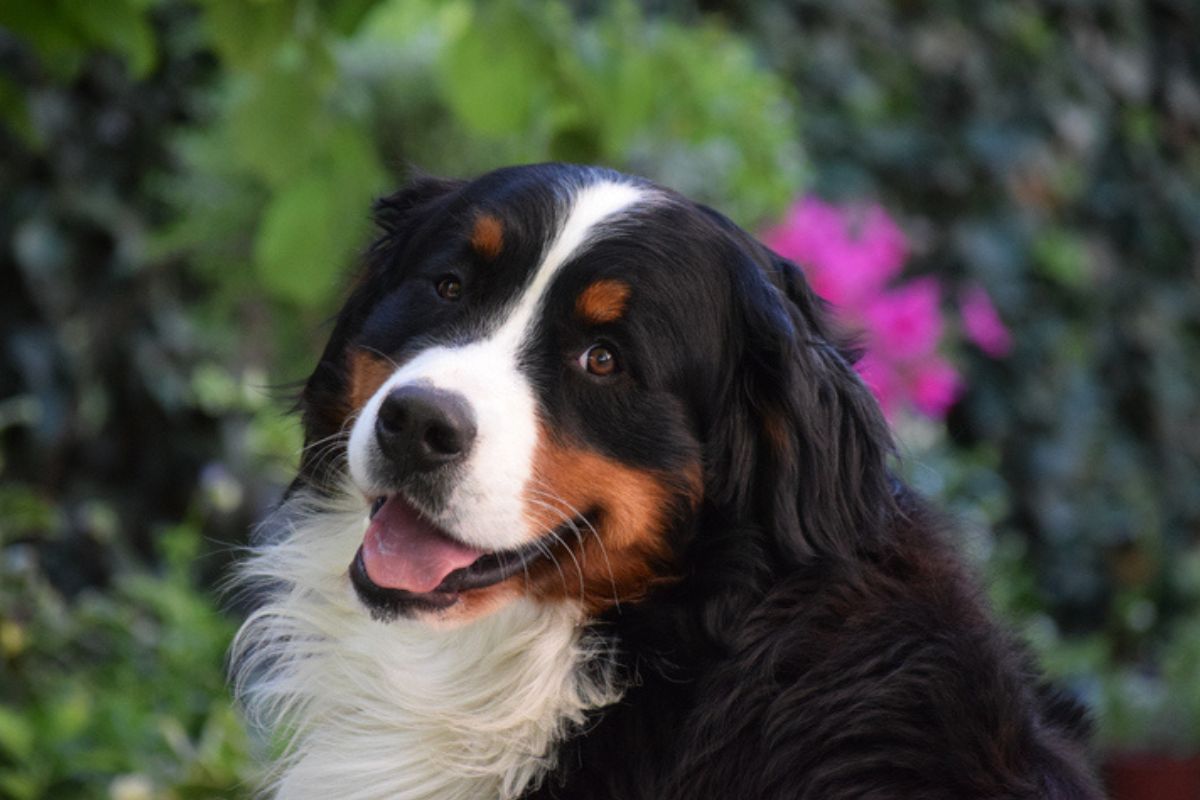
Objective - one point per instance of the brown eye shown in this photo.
(599, 360)
(449, 288)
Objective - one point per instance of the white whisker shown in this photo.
(577, 514)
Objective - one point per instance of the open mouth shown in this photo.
(408, 562)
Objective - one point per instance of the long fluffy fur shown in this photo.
(401, 709)
(814, 636)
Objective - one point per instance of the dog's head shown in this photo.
(544, 377)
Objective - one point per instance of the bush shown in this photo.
(118, 689)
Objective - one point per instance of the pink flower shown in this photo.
(850, 256)
(847, 255)
(905, 323)
(931, 385)
(935, 387)
(982, 323)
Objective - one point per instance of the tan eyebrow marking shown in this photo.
(487, 237)
(603, 301)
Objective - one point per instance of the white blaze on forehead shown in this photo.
(486, 508)
(590, 206)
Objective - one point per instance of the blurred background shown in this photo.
(1004, 198)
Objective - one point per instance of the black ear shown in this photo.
(807, 447)
(397, 214)
(395, 211)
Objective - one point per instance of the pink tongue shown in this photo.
(403, 550)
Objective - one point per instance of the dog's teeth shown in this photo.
(375, 506)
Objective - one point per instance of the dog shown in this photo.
(593, 504)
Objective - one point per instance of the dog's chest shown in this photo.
(404, 710)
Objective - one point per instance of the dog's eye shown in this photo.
(449, 288)
(599, 360)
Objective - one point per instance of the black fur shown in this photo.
(822, 640)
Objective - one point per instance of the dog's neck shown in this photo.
(402, 709)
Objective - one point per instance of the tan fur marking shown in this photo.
(477, 603)
(623, 559)
(627, 554)
(368, 371)
(778, 433)
(487, 237)
(603, 301)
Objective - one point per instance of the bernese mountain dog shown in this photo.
(594, 505)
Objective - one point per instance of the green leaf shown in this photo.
(304, 239)
(275, 125)
(16, 735)
(48, 30)
(121, 27)
(19, 786)
(344, 16)
(24, 513)
(69, 713)
(246, 34)
(14, 112)
(1062, 257)
(397, 22)
(64, 33)
(499, 69)
(298, 249)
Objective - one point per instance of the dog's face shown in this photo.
(534, 373)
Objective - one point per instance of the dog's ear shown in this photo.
(394, 212)
(397, 214)
(805, 452)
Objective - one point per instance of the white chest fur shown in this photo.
(400, 710)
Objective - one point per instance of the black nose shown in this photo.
(421, 428)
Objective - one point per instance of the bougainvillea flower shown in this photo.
(982, 323)
(852, 257)
(905, 323)
(851, 254)
(935, 387)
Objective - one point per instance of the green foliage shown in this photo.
(115, 688)
(302, 245)
(494, 88)
(690, 107)
(310, 111)
(65, 32)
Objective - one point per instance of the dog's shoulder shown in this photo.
(885, 676)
